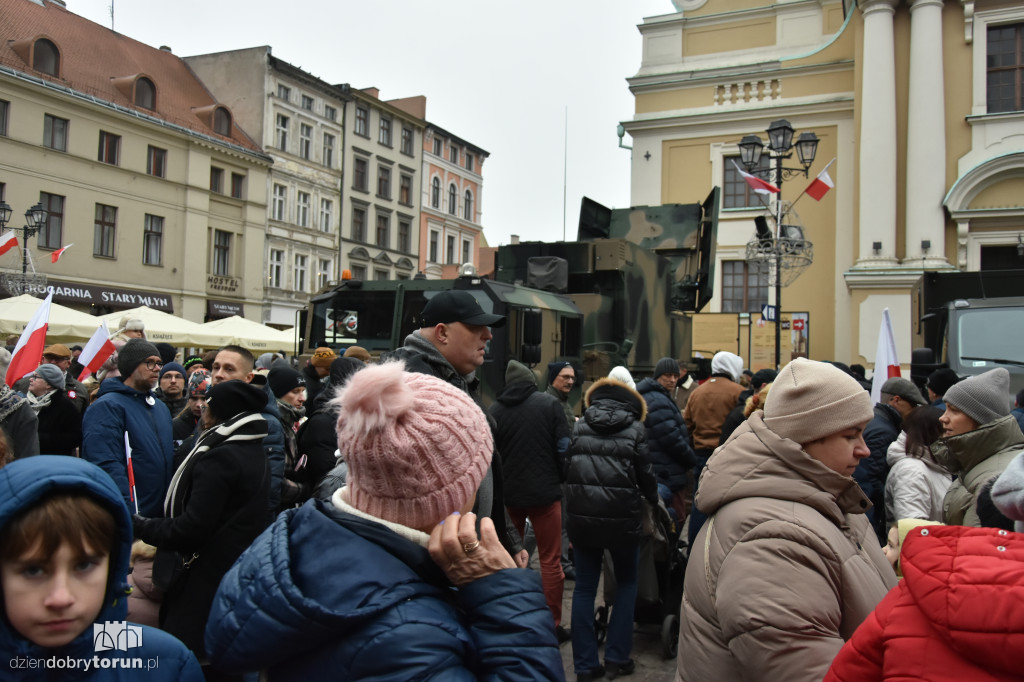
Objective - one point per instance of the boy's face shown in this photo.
(52, 601)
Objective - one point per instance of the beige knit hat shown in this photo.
(810, 400)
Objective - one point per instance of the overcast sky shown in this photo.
(504, 76)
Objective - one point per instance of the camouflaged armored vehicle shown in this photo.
(620, 294)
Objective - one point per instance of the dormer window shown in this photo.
(145, 94)
(46, 57)
(222, 121)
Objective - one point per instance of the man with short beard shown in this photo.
(126, 405)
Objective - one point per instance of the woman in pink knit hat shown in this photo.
(389, 579)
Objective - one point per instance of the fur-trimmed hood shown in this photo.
(612, 389)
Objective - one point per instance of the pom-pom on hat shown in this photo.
(810, 400)
(984, 398)
(416, 446)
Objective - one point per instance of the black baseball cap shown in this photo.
(458, 306)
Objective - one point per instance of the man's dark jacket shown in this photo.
(667, 438)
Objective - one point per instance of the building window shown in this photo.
(299, 278)
(222, 122)
(433, 246)
(467, 251)
(281, 128)
(453, 154)
(438, 146)
(55, 133)
(305, 140)
(453, 199)
(221, 253)
(330, 112)
(449, 254)
(736, 193)
(5, 110)
(284, 92)
(362, 121)
(407, 140)
(404, 235)
(323, 274)
(105, 231)
(52, 233)
(359, 174)
(358, 225)
(110, 148)
(328, 150)
(435, 193)
(326, 215)
(46, 57)
(302, 209)
(381, 275)
(156, 161)
(384, 182)
(237, 185)
(383, 231)
(385, 132)
(467, 205)
(1005, 85)
(216, 180)
(359, 272)
(744, 286)
(275, 272)
(153, 240)
(469, 162)
(405, 190)
(277, 205)
(307, 103)
(145, 94)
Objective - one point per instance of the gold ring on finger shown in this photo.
(470, 547)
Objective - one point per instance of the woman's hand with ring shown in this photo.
(464, 557)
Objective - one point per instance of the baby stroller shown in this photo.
(660, 576)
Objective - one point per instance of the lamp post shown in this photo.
(780, 147)
(35, 219)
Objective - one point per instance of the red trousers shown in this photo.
(547, 528)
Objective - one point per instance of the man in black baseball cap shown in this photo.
(458, 306)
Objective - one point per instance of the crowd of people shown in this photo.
(369, 517)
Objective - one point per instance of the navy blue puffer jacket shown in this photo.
(323, 594)
(671, 454)
(608, 469)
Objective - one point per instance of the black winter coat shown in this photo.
(529, 426)
(60, 426)
(669, 442)
(609, 469)
(879, 434)
(224, 492)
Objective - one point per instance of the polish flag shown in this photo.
(887, 365)
(96, 352)
(821, 184)
(55, 256)
(29, 350)
(8, 241)
(757, 184)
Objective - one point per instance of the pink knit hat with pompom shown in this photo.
(416, 446)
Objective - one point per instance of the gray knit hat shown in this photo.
(810, 400)
(133, 354)
(984, 398)
(666, 366)
(51, 374)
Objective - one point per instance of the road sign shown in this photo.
(769, 312)
(798, 325)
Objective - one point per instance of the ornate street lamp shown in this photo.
(786, 250)
(25, 282)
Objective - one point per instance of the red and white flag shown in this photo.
(8, 240)
(887, 365)
(96, 352)
(757, 184)
(820, 186)
(29, 350)
(55, 256)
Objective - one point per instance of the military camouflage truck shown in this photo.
(618, 295)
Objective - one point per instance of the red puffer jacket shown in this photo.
(957, 615)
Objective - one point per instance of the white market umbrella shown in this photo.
(251, 335)
(167, 328)
(65, 326)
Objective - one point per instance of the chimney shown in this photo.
(372, 92)
(166, 48)
(514, 239)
